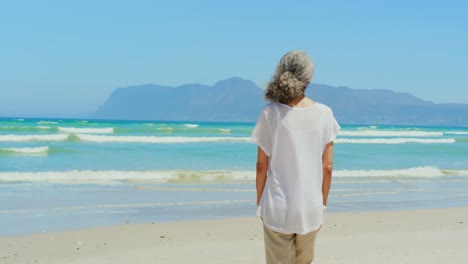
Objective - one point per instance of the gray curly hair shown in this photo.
(293, 73)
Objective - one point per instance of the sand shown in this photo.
(422, 236)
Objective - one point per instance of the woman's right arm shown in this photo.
(262, 169)
(327, 161)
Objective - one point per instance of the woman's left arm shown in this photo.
(327, 161)
(262, 169)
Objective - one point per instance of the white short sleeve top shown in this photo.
(294, 139)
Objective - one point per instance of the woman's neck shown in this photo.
(301, 101)
(296, 101)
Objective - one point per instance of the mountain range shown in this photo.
(239, 100)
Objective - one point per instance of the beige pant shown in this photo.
(289, 248)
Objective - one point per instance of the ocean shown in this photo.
(58, 174)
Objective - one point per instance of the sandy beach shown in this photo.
(423, 236)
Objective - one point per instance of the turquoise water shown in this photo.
(59, 174)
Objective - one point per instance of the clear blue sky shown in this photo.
(66, 57)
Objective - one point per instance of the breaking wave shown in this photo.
(394, 140)
(76, 130)
(90, 176)
(153, 139)
(156, 139)
(456, 133)
(47, 122)
(191, 125)
(25, 138)
(116, 139)
(390, 133)
(25, 151)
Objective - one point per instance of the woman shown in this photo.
(295, 137)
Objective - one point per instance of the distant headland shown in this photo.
(239, 100)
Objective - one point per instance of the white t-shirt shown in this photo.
(294, 140)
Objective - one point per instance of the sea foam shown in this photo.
(427, 171)
(390, 133)
(42, 122)
(26, 151)
(85, 130)
(225, 130)
(89, 176)
(25, 138)
(456, 133)
(394, 140)
(154, 139)
(178, 176)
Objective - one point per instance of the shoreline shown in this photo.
(419, 236)
(38, 210)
